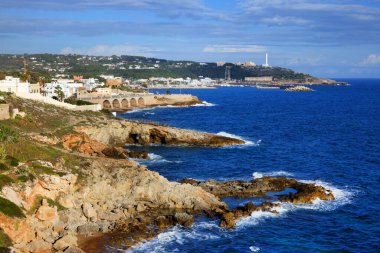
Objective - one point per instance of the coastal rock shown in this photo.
(40, 246)
(117, 132)
(44, 139)
(306, 193)
(47, 213)
(73, 249)
(88, 210)
(65, 242)
(228, 219)
(88, 229)
(85, 145)
(299, 88)
(184, 219)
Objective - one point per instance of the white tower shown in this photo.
(266, 61)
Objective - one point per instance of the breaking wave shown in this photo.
(154, 159)
(271, 174)
(247, 142)
(205, 103)
(167, 241)
(342, 197)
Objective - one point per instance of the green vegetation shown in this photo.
(8, 135)
(59, 92)
(3, 167)
(93, 66)
(5, 242)
(74, 101)
(41, 169)
(10, 209)
(5, 180)
(38, 202)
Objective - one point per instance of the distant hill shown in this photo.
(135, 67)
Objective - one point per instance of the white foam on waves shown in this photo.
(254, 249)
(271, 174)
(342, 197)
(204, 103)
(200, 231)
(247, 142)
(154, 158)
(140, 110)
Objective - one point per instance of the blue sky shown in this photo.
(325, 38)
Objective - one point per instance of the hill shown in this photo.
(135, 67)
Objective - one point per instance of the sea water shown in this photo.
(330, 137)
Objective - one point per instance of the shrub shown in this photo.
(5, 242)
(12, 161)
(10, 209)
(3, 167)
(8, 135)
(3, 153)
(5, 180)
(25, 178)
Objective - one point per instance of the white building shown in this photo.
(13, 84)
(91, 83)
(69, 87)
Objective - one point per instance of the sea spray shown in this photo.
(271, 174)
(247, 142)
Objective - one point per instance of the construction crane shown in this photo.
(25, 65)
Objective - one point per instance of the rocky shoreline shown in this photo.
(74, 183)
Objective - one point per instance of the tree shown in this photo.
(59, 92)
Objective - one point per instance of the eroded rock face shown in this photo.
(117, 132)
(306, 193)
(85, 145)
(228, 219)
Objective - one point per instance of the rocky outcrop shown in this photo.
(299, 88)
(228, 219)
(118, 132)
(115, 194)
(85, 145)
(305, 194)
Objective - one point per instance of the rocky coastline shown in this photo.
(298, 88)
(71, 182)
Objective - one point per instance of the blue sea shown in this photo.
(330, 137)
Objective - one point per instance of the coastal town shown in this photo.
(48, 78)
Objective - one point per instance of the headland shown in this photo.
(67, 179)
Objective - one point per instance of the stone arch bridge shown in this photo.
(122, 102)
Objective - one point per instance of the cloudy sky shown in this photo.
(335, 38)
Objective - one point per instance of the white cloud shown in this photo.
(234, 49)
(278, 20)
(371, 59)
(105, 50)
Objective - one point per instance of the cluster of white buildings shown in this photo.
(201, 81)
(68, 86)
(15, 85)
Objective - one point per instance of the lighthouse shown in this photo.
(266, 61)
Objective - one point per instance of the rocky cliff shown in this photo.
(67, 182)
(118, 132)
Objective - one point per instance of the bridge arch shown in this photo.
(116, 104)
(124, 103)
(133, 102)
(141, 102)
(107, 104)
